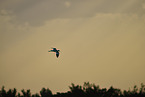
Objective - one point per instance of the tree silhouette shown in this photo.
(3, 92)
(12, 93)
(9, 93)
(90, 89)
(142, 89)
(76, 90)
(35, 95)
(112, 92)
(87, 90)
(46, 92)
(26, 93)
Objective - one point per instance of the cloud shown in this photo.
(10, 31)
(67, 4)
(143, 6)
(36, 12)
(5, 12)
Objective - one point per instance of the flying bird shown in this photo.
(55, 50)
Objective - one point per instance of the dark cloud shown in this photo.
(36, 12)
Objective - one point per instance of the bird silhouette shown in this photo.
(56, 51)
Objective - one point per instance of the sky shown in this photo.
(100, 41)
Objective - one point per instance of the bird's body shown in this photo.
(56, 51)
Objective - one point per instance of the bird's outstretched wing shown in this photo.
(54, 49)
(50, 51)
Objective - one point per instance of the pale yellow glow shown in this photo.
(103, 48)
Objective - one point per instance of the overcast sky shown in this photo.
(101, 41)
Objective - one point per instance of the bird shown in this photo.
(56, 51)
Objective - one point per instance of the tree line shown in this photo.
(87, 90)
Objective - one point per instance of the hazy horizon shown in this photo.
(101, 41)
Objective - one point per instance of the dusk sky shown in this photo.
(100, 41)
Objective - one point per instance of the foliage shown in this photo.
(87, 90)
(46, 92)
